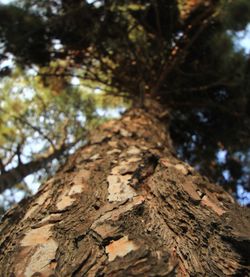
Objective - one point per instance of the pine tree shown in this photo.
(124, 204)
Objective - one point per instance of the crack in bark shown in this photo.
(145, 170)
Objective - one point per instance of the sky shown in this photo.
(242, 39)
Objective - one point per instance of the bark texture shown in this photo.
(124, 205)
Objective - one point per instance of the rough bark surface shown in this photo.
(124, 205)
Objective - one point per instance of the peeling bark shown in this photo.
(124, 205)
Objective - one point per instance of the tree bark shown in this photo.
(124, 205)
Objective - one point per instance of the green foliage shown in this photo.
(19, 28)
(235, 14)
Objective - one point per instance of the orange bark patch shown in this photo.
(128, 166)
(80, 180)
(79, 185)
(133, 150)
(38, 253)
(182, 169)
(37, 236)
(42, 260)
(115, 214)
(113, 143)
(119, 189)
(206, 201)
(75, 189)
(191, 190)
(165, 162)
(64, 201)
(125, 133)
(50, 218)
(106, 230)
(114, 151)
(38, 203)
(120, 248)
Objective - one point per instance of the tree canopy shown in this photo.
(183, 53)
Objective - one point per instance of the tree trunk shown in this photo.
(124, 205)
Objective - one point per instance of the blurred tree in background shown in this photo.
(58, 55)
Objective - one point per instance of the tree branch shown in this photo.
(15, 175)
